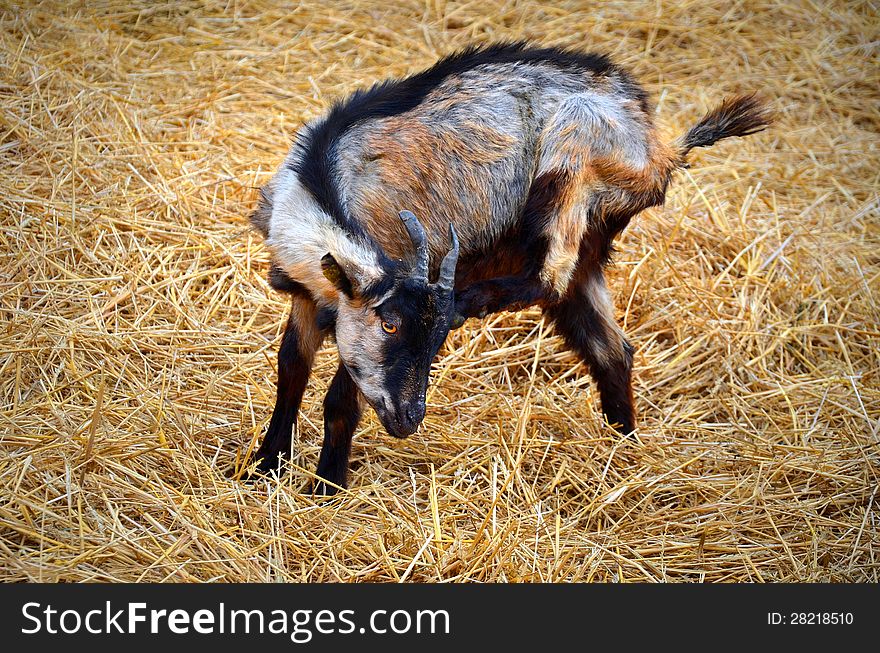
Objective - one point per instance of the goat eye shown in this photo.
(387, 327)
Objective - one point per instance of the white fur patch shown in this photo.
(559, 266)
(608, 347)
(301, 233)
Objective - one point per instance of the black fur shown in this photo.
(422, 314)
(737, 116)
(326, 319)
(293, 375)
(542, 202)
(500, 294)
(279, 280)
(342, 412)
(598, 245)
(393, 270)
(579, 324)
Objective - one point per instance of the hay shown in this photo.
(137, 350)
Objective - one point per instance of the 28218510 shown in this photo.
(810, 618)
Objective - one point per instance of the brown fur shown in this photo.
(566, 229)
(303, 315)
(406, 154)
(310, 277)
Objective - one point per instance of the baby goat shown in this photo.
(505, 173)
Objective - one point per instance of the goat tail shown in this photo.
(736, 116)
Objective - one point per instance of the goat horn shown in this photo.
(446, 280)
(420, 241)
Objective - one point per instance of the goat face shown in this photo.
(388, 338)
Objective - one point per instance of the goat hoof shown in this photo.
(623, 427)
(267, 467)
(320, 489)
(457, 321)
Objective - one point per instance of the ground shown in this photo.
(138, 339)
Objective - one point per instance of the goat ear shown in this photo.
(336, 275)
(262, 216)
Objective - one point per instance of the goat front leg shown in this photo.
(342, 412)
(495, 295)
(300, 341)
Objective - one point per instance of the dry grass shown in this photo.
(139, 335)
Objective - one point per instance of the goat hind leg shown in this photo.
(585, 319)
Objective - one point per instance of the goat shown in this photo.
(504, 172)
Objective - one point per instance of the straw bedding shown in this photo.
(138, 339)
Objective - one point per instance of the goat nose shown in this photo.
(415, 412)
